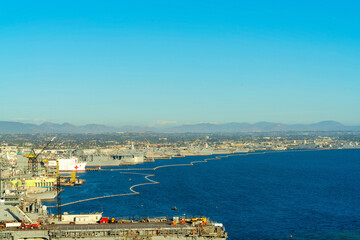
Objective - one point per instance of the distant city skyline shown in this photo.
(180, 62)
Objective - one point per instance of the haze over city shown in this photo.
(160, 62)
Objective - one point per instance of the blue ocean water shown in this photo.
(306, 194)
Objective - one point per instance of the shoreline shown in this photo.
(220, 154)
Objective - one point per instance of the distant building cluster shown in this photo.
(139, 147)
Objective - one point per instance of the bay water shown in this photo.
(268, 195)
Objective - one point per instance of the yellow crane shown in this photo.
(149, 143)
(195, 141)
(33, 162)
(73, 176)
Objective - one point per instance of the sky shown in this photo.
(178, 62)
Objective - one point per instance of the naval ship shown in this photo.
(68, 164)
(123, 158)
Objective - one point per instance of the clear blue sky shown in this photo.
(147, 62)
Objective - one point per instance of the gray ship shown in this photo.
(124, 158)
(47, 195)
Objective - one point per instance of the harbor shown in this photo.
(122, 193)
(122, 229)
(179, 120)
(224, 191)
(31, 179)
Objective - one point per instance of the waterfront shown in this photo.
(310, 195)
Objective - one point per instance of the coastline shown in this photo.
(219, 154)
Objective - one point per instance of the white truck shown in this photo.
(10, 225)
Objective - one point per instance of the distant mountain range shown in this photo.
(48, 127)
(262, 127)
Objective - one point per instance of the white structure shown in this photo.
(91, 218)
(69, 164)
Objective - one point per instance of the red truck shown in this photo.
(107, 220)
(104, 220)
(31, 226)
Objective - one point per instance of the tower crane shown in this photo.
(33, 162)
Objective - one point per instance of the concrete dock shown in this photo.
(109, 231)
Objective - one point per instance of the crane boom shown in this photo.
(195, 141)
(43, 149)
(148, 143)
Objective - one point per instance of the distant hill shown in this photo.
(261, 127)
(7, 127)
(48, 127)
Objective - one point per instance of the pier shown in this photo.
(129, 231)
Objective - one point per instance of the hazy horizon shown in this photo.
(173, 124)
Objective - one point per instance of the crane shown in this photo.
(195, 141)
(148, 143)
(33, 162)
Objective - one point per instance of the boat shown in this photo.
(125, 158)
(69, 164)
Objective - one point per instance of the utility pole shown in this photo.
(1, 173)
(58, 189)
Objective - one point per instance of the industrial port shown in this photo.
(28, 178)
(34, 169)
